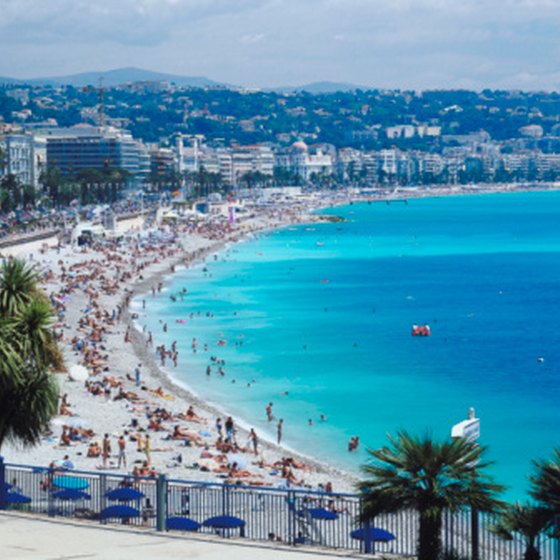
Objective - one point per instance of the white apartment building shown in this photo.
(26, 157)
(388, 161)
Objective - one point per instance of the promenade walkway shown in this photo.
(24, 537)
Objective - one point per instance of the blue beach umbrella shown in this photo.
(124, 494)
(226, 522)
(182, 524)
(322, 513)
(71, 494)
(70, 482)
(16, 498)
(373, 534)
(118, 512)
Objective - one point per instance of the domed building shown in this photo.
(300, 146)
(299, 159)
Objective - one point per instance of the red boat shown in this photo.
(421, 330)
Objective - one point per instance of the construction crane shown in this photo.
(101, 101)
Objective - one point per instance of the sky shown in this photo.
(406, 44)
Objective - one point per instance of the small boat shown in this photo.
(320, 243)
(421, 330)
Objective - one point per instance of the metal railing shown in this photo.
(289, 516)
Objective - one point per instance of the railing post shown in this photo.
(292, 520)
(161, 503)
(475, 549)
(556, 544)
(50, 489)
(225, 499)
(102, 492)
(368, 541)
(2, 483)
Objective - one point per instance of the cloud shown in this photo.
(253, 38)
(119, 21)
(398, 43)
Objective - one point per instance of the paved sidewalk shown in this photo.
(25, 537)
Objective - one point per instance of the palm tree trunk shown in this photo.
(429, 546)
(532, 553)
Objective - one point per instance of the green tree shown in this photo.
(51, 179)
(545, 483)
(430, 477)
(9, 197)
(17, 285)
(28, 353)
(528, 521)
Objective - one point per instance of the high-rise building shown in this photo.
(74, 149)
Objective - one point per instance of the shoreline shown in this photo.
(181, 389)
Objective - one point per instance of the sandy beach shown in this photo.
(90, 289)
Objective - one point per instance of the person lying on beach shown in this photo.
(94, 387)
(112, 381)
(160, 393)
(227, 447)
(235, 472)
(205, 453)
(127, 395)
(156, 425)
(191, 437)
(191, 416)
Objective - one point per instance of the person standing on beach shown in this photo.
(137, 375)
(230, 430)
(148, 448)
(122, 451)
(254, 441)
(279, 430)
(106, 449)
(219, 427)
(269, 412)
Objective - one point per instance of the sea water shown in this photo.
(317, 320)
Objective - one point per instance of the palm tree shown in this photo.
(17, 286)
(527, 520)
(28, 352)
(430, 477)
(546, 483)
(28, 401)
(34, 336)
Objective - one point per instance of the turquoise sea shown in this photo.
(324, 313)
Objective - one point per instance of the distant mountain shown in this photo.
(9, 81)
(130, 75)
(117, 77)
(321, 87)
